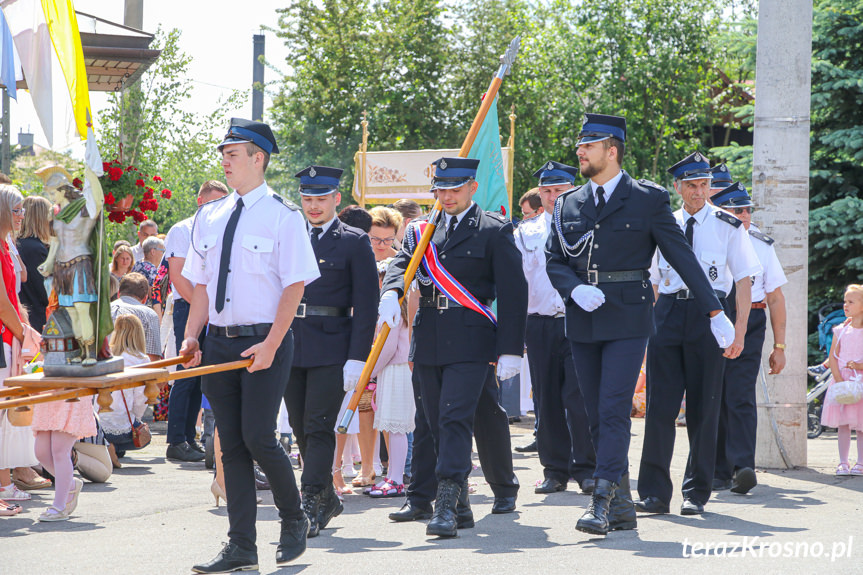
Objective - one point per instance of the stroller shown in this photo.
(829, 316)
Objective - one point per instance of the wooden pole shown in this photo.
(507, 61)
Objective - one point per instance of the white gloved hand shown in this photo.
(588, 297)
(389, 309)
(351, 372)
(723, 329)
(508, 366)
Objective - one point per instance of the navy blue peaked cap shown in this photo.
(734, 196)
(452, 173)
(258, 133)
(319, 180)
(553, 173)
(693, 167)
(721, 177)
(599, 127)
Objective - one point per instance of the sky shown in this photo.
(217, 34)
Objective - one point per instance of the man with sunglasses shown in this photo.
(682, 356)
(738, 416)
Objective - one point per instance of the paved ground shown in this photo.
(157, 517)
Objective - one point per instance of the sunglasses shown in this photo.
(530, 214)
(19, 211)
(738, 211)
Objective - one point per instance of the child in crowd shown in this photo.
(846, 362)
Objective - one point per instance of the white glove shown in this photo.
(351, 372)
(723, 329)
(389, 310)
(508, 366)
(588, 297)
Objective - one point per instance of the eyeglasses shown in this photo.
(528, 215)
(19, 211)
(738, 211)
(382, 241)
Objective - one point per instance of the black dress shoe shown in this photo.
(182, 452)
(529, 448)
(196, 446)
(587, 486)
(292, 542)
(721, 484)
(411, 512)
(230, 558)
(503, 505)
(621, 511)
(550, 485)
(744, 480)
(691, 507)
(261, 481)
(651, 504)
(331, 506)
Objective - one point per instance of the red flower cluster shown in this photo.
(78, 183)
(148, 205)
(127, 193)
(109, 199)
(166, 193)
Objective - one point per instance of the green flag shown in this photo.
(491, 195)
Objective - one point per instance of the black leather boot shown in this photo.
(444, 519)
(312, 509)
(621, 512)
(595, 521)
(411, 511)
(331, 506)
(292, 541)
(464, 514)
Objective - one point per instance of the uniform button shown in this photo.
(228, 299)
(627, 225)
(596, 246)
(443, 257)
(468, 252)
(642, 297)
(256, 247)
(440, 312)
(594, 265)
(596, 227)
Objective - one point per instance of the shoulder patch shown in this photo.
(286, 202)
(763, 237)
(654, 185)
(728, 218)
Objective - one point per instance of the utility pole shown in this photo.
(130, 127)
(780, 182)
(258, 77)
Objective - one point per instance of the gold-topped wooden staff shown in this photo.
(506, 62)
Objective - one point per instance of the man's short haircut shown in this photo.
(149, 223)
(621, 148)
(151, 244)
(215, 186)
(253, 149)
(119, 243)
(409, 209)
(533, 199)
(356, 217)
(386, 217)
(134, 285)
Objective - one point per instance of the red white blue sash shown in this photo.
(445, 283)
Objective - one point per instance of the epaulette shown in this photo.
(497, 216)
(653, 185)
(286, 202)
(763, 237)
(728, 218)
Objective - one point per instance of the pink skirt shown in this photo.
(835, 414)
(75, 418)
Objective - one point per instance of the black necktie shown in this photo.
(316, 236)
(690, 224)
(225, 258)
(452, 223)
(600, 200)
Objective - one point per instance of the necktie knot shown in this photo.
(452, 224)
(316, 232)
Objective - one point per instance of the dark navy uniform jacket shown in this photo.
(482, 256)
(349, 279)
(636, 219)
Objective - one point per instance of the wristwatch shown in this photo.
(779, 346)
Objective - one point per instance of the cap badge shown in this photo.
(312, 172)
(550, 166)
(443, 164)
(698, 157)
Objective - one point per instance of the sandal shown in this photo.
(361, 481)
(387, 489)
(842, 470)
(14, 494)
(59, 515)
(36, 482)
(857, 469)
(9, 509)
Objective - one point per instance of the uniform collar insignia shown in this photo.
(312, 173)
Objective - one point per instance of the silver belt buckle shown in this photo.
(228, 332)
(442, 302)
(683, 294)
(301, 311)
(592, 277)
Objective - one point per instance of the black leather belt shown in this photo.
(256, 329)
(594, 277)
(687, 294)
(304, 311)
(443, 302)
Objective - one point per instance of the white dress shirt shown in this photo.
(608, 187)
(723, 250)
(459, 216)
(772, 275)
(530, 238)
(177, 246)
(271, 250)
(324, 228)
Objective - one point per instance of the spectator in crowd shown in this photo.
(122, 262)
(356, 217)
(154, 249)
(145, 230)
(119, 243)
(32, 243)
(410, 210)
(385, 224)
(133, 294)
(531, 204)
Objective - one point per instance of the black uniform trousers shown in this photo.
(738, 416)
(491, 431)
(246, 406)
(562, 413)
(683, 357)
(607, 375)
(313, 398)
(185, 398)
